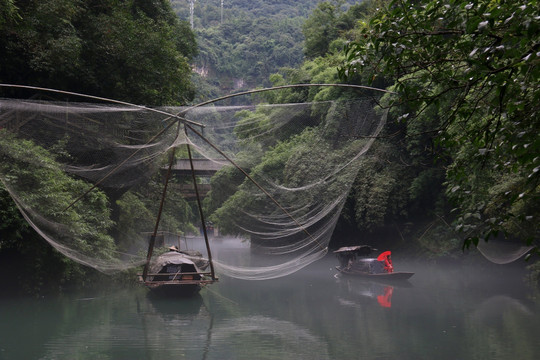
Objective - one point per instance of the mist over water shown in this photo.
(470, 310)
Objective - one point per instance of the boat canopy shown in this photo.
(170, 258)
(359, 249)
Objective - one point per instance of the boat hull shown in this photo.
(399, 275)
(173, 289)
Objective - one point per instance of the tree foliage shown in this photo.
(134, 50)
(320, 29)
(88, 220)
(253, 39)
(229, 51)
(474, 68)
(39, 267)
(243, 51)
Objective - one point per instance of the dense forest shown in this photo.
(243, 42)
(467, 75)
(457, 163)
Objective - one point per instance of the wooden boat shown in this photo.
(354, 261)
(178, 273)
(398, 275)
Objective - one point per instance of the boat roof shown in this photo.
(169, 258)
(354, 248)
(368, 260)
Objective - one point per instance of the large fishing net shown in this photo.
(93, 179)
(97, 178)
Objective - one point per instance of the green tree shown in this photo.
(248, 49)
(8, 12)
(87, 224)
(328, 23)
(473, 66)
(89, 219)
(320, 29)
(134, 50)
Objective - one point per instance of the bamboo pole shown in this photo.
(201, 213)
(162, 202)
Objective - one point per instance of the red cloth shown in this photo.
(387, 261)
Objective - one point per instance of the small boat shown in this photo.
(354, 261)
(178, 273)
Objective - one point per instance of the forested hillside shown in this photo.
(242, 43)
(468, 79)
(457, 163)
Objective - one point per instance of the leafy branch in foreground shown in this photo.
(476, 65)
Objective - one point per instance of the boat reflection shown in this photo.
(360, 292)
(385, 300)
(173, 307)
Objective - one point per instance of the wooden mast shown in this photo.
(156, 227)
(201, 213)
(199, 205)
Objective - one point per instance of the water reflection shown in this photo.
(212, 333)
(172, 307)
(444, 312)
(136, 325)
(174, 327)
(263, 337)
(491, 308)
(362, 292)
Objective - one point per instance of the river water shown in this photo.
(465, 311)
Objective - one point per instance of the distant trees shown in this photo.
(320, 29)
(257, 38)
(328, 22)
(249, 48)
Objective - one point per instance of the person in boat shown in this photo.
(386, 257)
(388, 264)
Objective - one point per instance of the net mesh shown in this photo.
(503, 251)
(89, 177)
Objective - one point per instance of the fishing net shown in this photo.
(95, 179)
(503, 251)
(440, 237)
